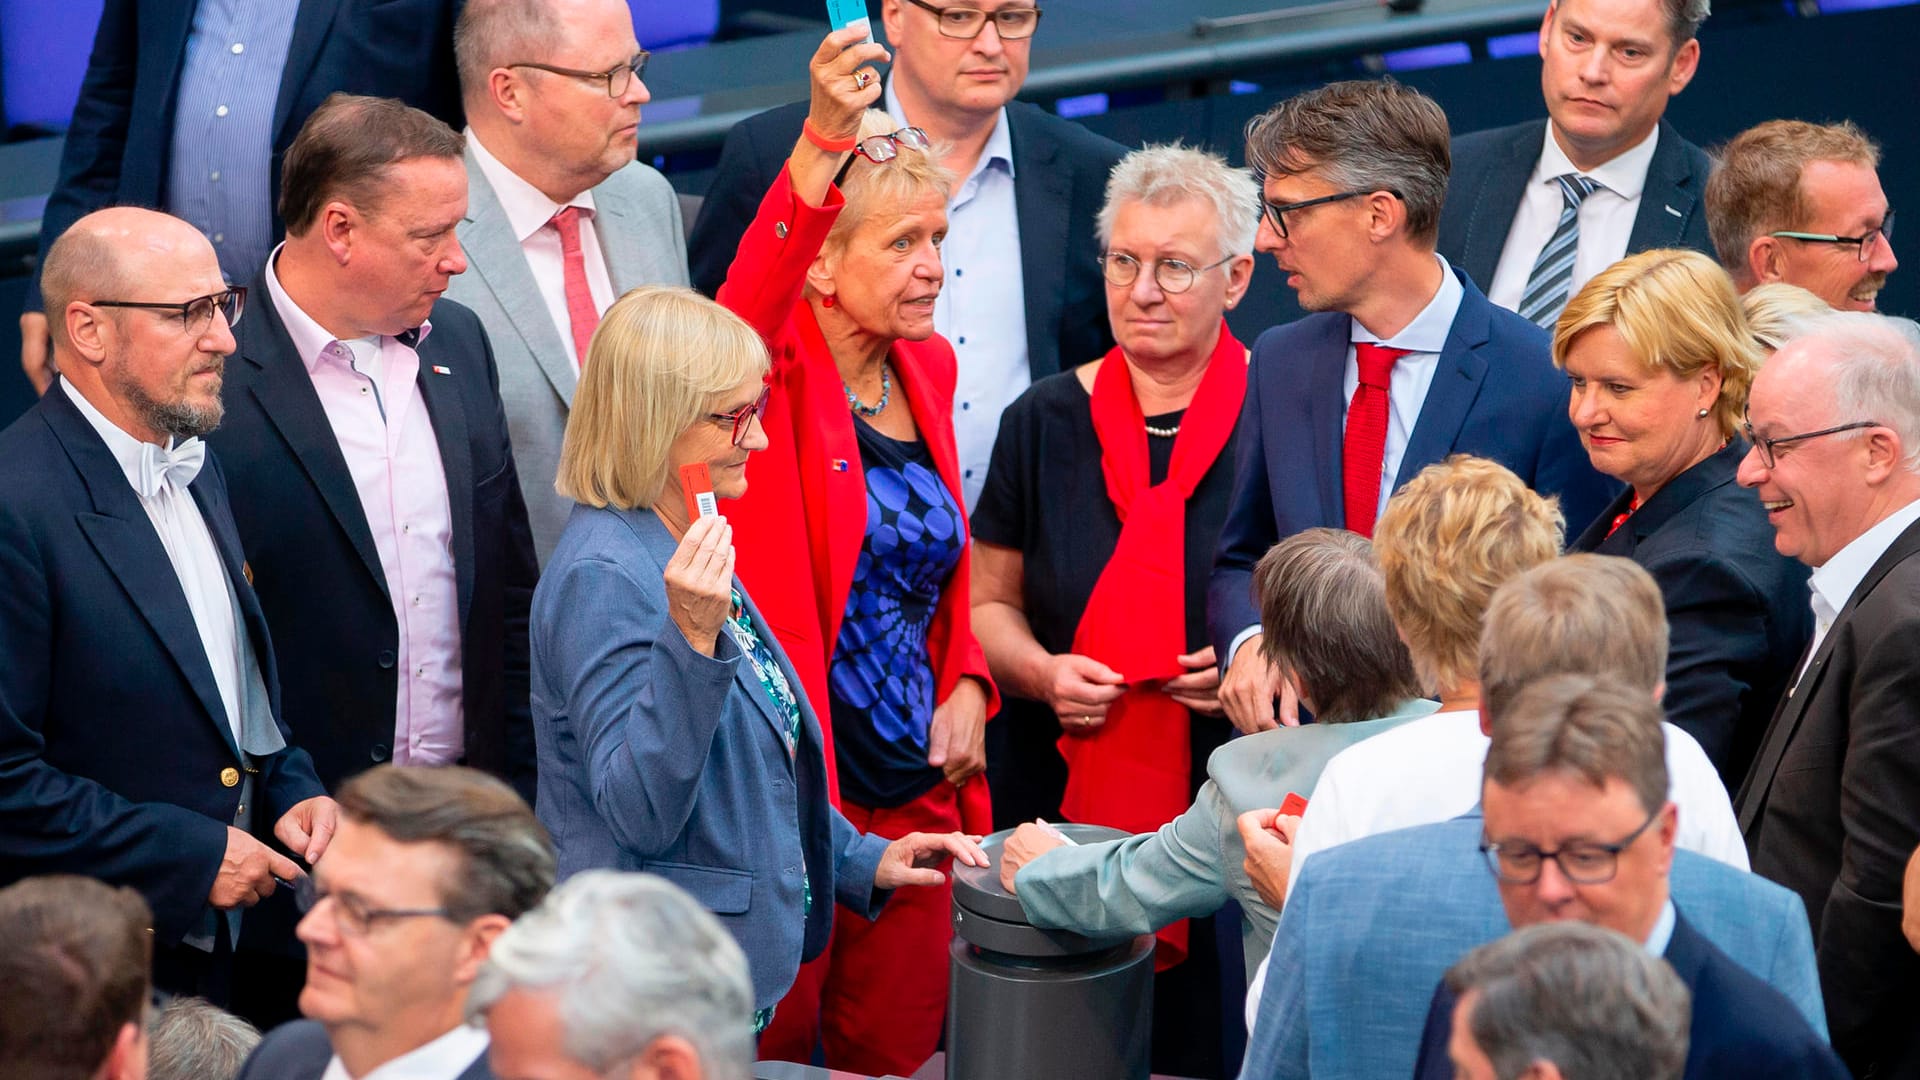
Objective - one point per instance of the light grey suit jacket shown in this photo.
(1193, 864)
(637, 220)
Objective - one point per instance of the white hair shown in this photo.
(628, 958)
(1873, 371)
(1165, 175)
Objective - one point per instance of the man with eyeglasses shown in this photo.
(561, 220)
(1022, 296)
(188, 106)
(1403, 363)
(429, 868)
(1801, 203)
(140, 733)
(1831, 806)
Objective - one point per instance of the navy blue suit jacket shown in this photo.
(1737, 612)
(121, 138)
(1060, 180)
(1496, 394)
(301, 1050)
(319, 575)
(113, 738)
(1740, 1027)
(1490, 173)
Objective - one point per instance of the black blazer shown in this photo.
(1490, 173)
(1060, 179)
(1737, 613)
(119, 144)
(1740, 1026)
(114, 744)
(319, 576)
(1831, 809)
(300, 1050)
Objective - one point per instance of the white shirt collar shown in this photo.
(126, 449)
(1428, 331)
(527, 207)
(1625, 174)
(1662, 935)
(999, 144)
(310, 339)
(1836, 580)
(445, 1058)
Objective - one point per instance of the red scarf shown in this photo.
(1133, 772)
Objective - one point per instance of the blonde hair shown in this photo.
(1677, 311)
(1777, 311)
(909, 177)
(1582, 614)
(660, 357)
(1754, 188)
(1449, 538)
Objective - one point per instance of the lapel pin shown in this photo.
(246, 571)
(439, 370)
(1674, 212)
(839, 464)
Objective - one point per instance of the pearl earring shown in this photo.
(1702, 414)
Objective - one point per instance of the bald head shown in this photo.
(116, 253)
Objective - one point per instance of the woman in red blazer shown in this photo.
(853, 538)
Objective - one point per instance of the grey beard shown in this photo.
(176, 418)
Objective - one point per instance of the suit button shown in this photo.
(229, 777)
(387, 658)
(381, 752)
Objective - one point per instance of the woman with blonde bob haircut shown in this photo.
(1659, 357)
(673, 735)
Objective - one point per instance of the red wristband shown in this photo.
(831, 146)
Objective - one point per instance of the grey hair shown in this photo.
(493, 33)
(1587, 999)
(1874, 372)
(190, 1039)
(1323, 617)
(628, 958)
(1164, 175)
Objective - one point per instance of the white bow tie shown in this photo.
(180, 465)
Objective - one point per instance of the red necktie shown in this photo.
(1366, 443)
(580, 310)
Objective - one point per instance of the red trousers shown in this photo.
(878, 996)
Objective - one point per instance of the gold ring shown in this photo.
(861, 78)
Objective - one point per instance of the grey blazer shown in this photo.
(637, 219)
(654, 757)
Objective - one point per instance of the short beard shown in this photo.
(178, 418)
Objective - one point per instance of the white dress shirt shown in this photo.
(528, 212)
(982, 307)
(442, 1059)
(190, 548)
(1429, 770)
(1832, 585)
(1606, 217)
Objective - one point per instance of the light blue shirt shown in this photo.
(220, 169)
(1662, 934)
(982, 308)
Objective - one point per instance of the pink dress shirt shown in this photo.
(368, 387)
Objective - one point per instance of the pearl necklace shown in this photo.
(1164, 433)
(886, 394)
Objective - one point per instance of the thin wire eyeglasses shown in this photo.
(1174, 276)
(614, 77)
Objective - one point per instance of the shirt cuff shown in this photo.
(1233, 650)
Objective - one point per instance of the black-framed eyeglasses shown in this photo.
(1012, 24)
(1174, 276)
(615, 77)
(1582, 862)
(1766, 446)
(351, 913)
(1277, 212)
(195, 315)
(740, 418)
(1863, 242)
(883, 148)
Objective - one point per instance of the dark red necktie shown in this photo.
(580, 310)
(1365, 449)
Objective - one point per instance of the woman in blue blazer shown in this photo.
(1660, 357)
(673, 734)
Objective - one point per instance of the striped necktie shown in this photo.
(1546, 291)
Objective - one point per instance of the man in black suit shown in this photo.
(1536, 209)
(140, 740)
(1023, 297)
(372, 478)
(429, 868)
(188, 107)
(1579, 827)
(1831, 808)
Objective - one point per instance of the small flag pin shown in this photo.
(438, 370)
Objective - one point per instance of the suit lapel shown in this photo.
(1504, 185)
(219, 518)
(285, 394)
(1686, 950)
(447, 409)
(613, 220)
(124, 536)
(1667, 201)
(1456, 383)
(310, 29)
(1327, 412)
(1041, 199)
(499, 261)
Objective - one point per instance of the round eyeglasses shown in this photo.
(195, 315)
(1863, 243)
(1583, 862)
(614, 78)
(1174, 276)
(1012, 24)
